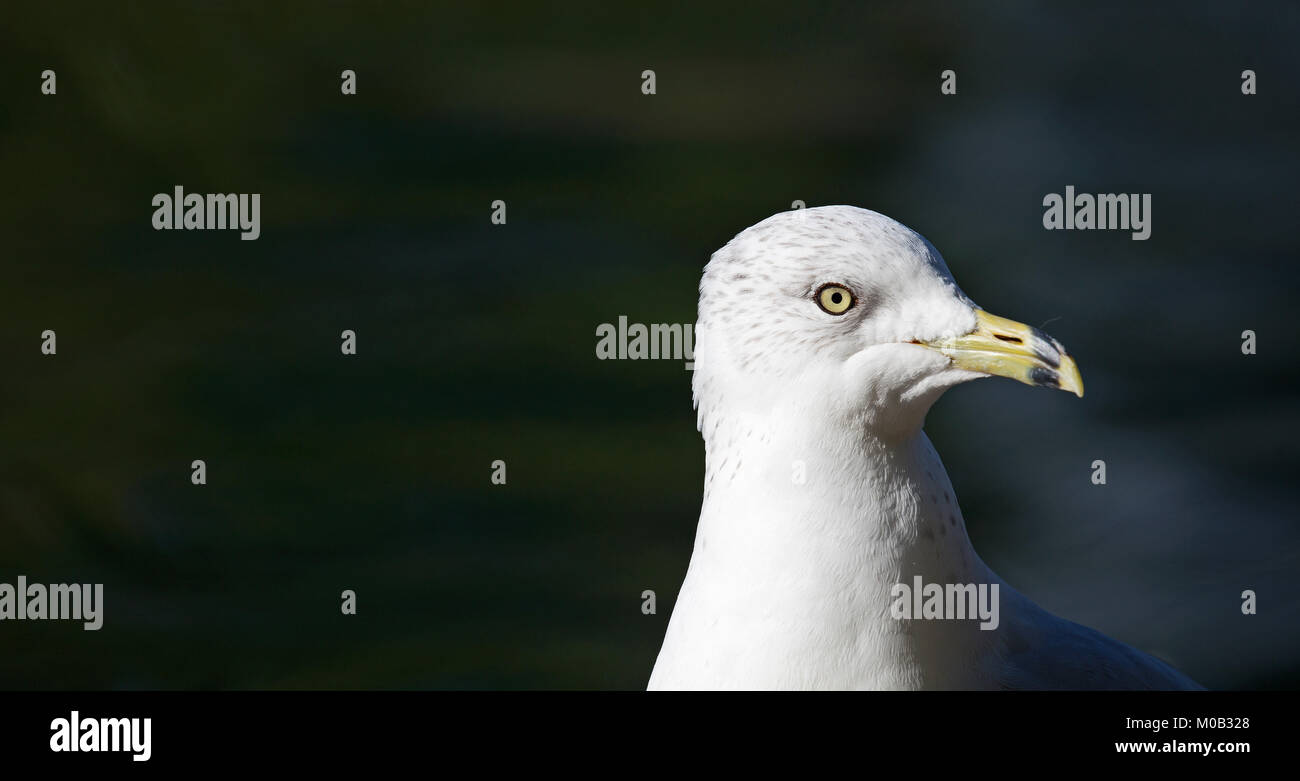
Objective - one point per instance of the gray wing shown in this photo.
(1043, 651)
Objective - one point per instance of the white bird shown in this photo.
(824, 336)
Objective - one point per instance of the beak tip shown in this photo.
(1071, 380)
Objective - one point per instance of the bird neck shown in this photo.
(804, 534)
(827, 505)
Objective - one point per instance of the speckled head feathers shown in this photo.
(762, 335)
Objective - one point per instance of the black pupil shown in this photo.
(836, 298)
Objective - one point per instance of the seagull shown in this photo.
(824, 335)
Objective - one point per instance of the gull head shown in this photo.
(845, 314)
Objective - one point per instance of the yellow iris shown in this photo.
(834, 299)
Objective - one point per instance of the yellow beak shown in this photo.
(1005, 348)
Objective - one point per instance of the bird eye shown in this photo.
(834, 299)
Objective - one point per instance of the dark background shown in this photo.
(476, 341)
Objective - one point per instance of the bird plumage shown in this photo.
(822, 493)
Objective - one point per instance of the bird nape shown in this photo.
(831, 551)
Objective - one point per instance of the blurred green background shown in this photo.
(476, 342)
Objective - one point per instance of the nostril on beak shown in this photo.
(1012, 339)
